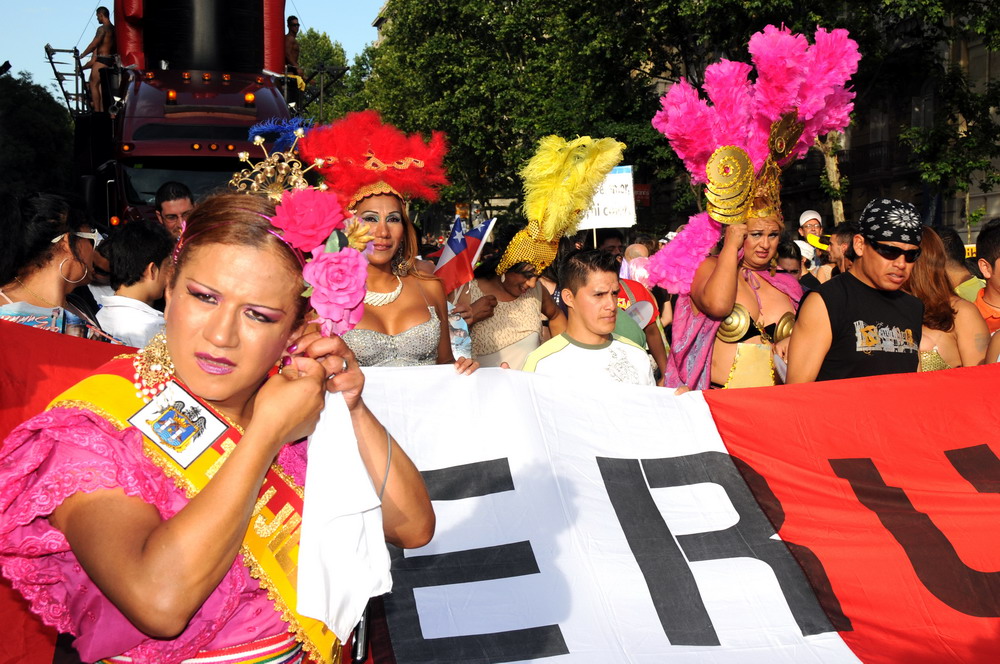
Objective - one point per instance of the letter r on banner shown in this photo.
(662, 557)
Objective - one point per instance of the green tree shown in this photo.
(963, 141)
(353, 93)
(324, 62)
(37, 138)
(498, 75)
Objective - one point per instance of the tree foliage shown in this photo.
(37, 138)
(352, 94)
(964, 138)
(498, 75)
(323, 61)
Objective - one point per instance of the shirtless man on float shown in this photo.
(292, 47)
(103, 45)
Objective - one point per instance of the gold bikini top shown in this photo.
(736, 327)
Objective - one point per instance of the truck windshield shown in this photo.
(202, 176)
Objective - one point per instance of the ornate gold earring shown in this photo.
(153, 368)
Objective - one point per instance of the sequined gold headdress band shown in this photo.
(380, 187)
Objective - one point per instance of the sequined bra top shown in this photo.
(511, 321)
(413, 347)
(931, 360)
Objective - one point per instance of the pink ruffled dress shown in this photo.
(64, 451)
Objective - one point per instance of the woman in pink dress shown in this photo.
(152, 511)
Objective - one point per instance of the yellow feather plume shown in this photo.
(561, 179)
(559, 185)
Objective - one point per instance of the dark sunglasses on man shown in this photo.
(891, 253)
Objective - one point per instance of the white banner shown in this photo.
(614, 202)
(585, 524)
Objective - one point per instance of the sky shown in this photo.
(30, 24)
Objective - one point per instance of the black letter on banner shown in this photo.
(979, 466)
(671, 584)
(933, 557)
(494, 562)
(750, 537)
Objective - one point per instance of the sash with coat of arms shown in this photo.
(189, 441)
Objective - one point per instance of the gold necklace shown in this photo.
(35, 295)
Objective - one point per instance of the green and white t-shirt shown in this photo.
(618, 360)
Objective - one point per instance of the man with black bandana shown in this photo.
(860, 323)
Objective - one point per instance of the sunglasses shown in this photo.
(891, 253)
(94, 236)
(175, 217)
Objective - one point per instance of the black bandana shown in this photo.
(890, 220)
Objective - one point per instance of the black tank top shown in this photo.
(875, 332)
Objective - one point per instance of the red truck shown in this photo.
(193, 76)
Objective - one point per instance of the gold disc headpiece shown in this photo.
(734, 193)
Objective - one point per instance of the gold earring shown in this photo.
(153, 368)
(86, 271)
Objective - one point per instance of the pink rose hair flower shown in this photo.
(307, 217)
(338, 288)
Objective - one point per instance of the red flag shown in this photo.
(38, 366)
(893, 490)
(454, 268)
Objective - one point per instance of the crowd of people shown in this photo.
(247, 308)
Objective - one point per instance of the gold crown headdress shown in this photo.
(560, 181)
(735, 194)
(278, 172)
(794, 78)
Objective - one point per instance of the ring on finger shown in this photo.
(342, 369)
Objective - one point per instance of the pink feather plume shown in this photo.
(728, 86)
(673, 266)
(686, 121)
(780, 59)
(792, 75)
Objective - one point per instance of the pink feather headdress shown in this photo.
(793, 76)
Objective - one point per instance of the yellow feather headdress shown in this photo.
(559, 184)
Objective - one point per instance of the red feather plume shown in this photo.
(359, 151)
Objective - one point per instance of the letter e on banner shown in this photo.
(409, 573)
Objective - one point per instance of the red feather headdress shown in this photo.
(361, 156)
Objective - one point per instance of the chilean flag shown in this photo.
(454, 267)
